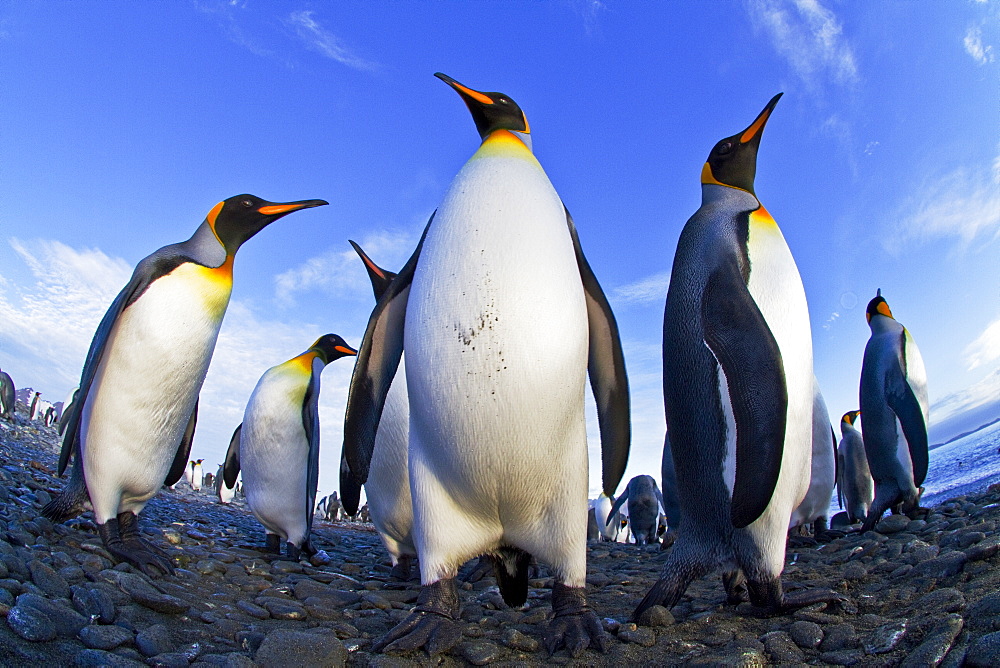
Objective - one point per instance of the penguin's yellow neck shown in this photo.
(503, 143)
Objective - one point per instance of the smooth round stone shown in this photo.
(656, 615)
(154, 640)
(885, 638)
(104, 637)
(48, 580)
(284, 647)
(67, 621)
(984, 652)
(252, 609)
(286, 567)
(639, 636)
(480, 652)
(97, 658)
(781, 648)
(516, 640)
(31, 624)
(94, 604)
(807, 635)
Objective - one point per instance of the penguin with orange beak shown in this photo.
(131, 427)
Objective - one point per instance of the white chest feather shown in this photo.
(153, 367)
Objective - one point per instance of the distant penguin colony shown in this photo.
(893, 397)
(131, 426)
(277, 452)
(503, 318)
(465, 423)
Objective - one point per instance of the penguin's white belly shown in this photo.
(274, 453)
(388, 485)
(496, 340)
(146, 386)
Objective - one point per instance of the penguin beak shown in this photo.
(346, 350)
(277, 210)
(464, 91)
(761, 120)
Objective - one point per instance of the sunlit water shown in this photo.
(964, 466)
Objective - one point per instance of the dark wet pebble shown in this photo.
(936, 643)
(97, 636)
(48, 580)
(153, 640)
(807, 635)
(984, 652)
(99, 658)
(516, 640)
(941, 567)
(892, 524)
(253, 609)
(842, 658)
(94, 603)
(885, 638)
(67, 621)
(284, 647)
(781, 648)
(31, 624)
(479, 652)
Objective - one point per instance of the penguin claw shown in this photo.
(431, 625)
(432, 631)
(575, 626)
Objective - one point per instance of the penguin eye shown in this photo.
(724, 148)
(247, 203)
(503, 100)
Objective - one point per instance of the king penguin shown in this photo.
(894, 411)
(854, 479)
(645, 508)
(813, 511)
(503, 319)
(388, 485)
(737, 386)
(278, 447)
(131, 426)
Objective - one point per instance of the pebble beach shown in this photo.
(918, 593)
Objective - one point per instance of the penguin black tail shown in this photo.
(510, 567)
(71, 502)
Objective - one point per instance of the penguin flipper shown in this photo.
(231, 467)
(183, 450)
(606, 366)
(739, 337)
(310, 420)
(378, 359)
(903, 402)
(615, 506)
(350, 490)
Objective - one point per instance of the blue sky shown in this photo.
(122, 124)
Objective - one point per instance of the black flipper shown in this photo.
(737, 334)
(608, 380)
(183, 450)
(615, 506)
(310, 421)
(510, 567)
(378, 359)
(903, 402)
(350, 490)
(231, 467)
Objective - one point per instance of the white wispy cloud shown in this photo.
(325, 42)
(974, 46)
(644, 291)
(809, 37)
(340, 271)
(589, 11)
(985, 349)
(964, 204)
(50, 322)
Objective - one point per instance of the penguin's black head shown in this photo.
(878, 306)
(733, 161)
(331, 347)
(238, 218)
(850, 417)
(490, 111)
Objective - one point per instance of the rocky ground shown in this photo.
(919, 593)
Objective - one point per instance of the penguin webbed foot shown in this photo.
(768, 598)
(122, 540)
(401, 570)
(575, 626)
(735, 584)
(432, 624)
(272, 543)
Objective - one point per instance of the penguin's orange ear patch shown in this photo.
(883, 308)
(214, 214)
